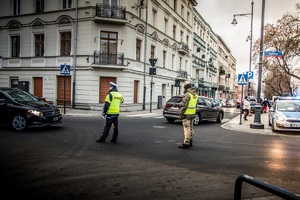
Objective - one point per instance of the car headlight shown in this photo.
(280, 118)
(35, 112)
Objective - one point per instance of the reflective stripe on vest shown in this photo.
(114, 107)
(191, 109)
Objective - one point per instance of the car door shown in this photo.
(211, 111)
(3, 110)
(203, 109)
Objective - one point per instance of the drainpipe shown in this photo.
(75, 54)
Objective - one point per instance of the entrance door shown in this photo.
(38, 86)
(135, 91)
(60, 90)
(104, 87)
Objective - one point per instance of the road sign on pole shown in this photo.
(65, 69)
(242, 79)
(272, 54)
(152, 61)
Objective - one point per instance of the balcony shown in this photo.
(182, 74)
(183, 48)
(108, 58)
(221, 87)
(107, 13)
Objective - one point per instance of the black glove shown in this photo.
(103, 115)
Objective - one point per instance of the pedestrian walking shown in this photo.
(265, 105)
(111, 112)
(187, 114)
(246, 107)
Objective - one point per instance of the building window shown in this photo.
(67, 4)
(16, 7)
(39, 6)
(181, 36)
(187, 39)
(166, 26)
(175, 5)
(164, 58)
(65, 43)
(152, 51)
(14, 82)
(188, 17)
(15, 46)
(154, 15)
(138, 49)
(108, 43)
(182, 10)
(39, 44)
(180, 63)
(173, 60)
(174, 32)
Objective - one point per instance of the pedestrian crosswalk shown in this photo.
(145, 115)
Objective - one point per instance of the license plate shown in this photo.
(295, 125)
(174, 108)
(55, 119)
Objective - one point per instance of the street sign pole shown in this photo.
(241, 105)
(65, 92)
(152, 72)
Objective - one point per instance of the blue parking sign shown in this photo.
(250, 75)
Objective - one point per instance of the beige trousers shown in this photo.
(188, 129)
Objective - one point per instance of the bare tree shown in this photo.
(284, 36)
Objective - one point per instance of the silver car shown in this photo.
(284, 115)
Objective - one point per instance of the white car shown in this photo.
(284, 115)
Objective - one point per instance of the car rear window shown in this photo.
(175, 99)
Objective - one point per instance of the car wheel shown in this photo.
(170, 120)
(197, 119)
(273, 126)
(19, 123)
(219, 118)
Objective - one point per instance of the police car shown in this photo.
(284, 115)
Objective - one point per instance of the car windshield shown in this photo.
(21, 96)
(288, 106)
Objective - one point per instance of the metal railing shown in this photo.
(108, 58)
(280, 192)
(110, 11)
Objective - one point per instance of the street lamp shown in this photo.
(257, 118)
(234, 22)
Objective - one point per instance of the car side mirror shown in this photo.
(2, 102)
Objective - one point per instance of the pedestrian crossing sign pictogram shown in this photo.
(242, 79)
(65, 69)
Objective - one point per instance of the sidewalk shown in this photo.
(234, 124)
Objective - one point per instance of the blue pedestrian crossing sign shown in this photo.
(242, 79)
(65, 69)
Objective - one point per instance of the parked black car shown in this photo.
(206, 110)
(22, 110)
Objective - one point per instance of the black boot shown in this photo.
(191, 143)
(184, 146)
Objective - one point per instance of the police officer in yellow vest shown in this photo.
(111, 112)
(187, 114)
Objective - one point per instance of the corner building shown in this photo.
(101, 41)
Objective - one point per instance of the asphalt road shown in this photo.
(65, 162)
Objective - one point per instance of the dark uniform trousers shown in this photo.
(109, 121)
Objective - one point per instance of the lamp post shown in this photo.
(257, 118)
(234, 22)
(145, 55)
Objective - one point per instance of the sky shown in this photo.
(219, 15)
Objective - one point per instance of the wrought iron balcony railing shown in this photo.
(182, 74)
(108, 58)
(110, 11)
(183, 48)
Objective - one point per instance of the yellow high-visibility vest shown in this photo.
(115, 103)
(191, 109)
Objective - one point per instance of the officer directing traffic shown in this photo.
(111, 112)
(188, 113)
